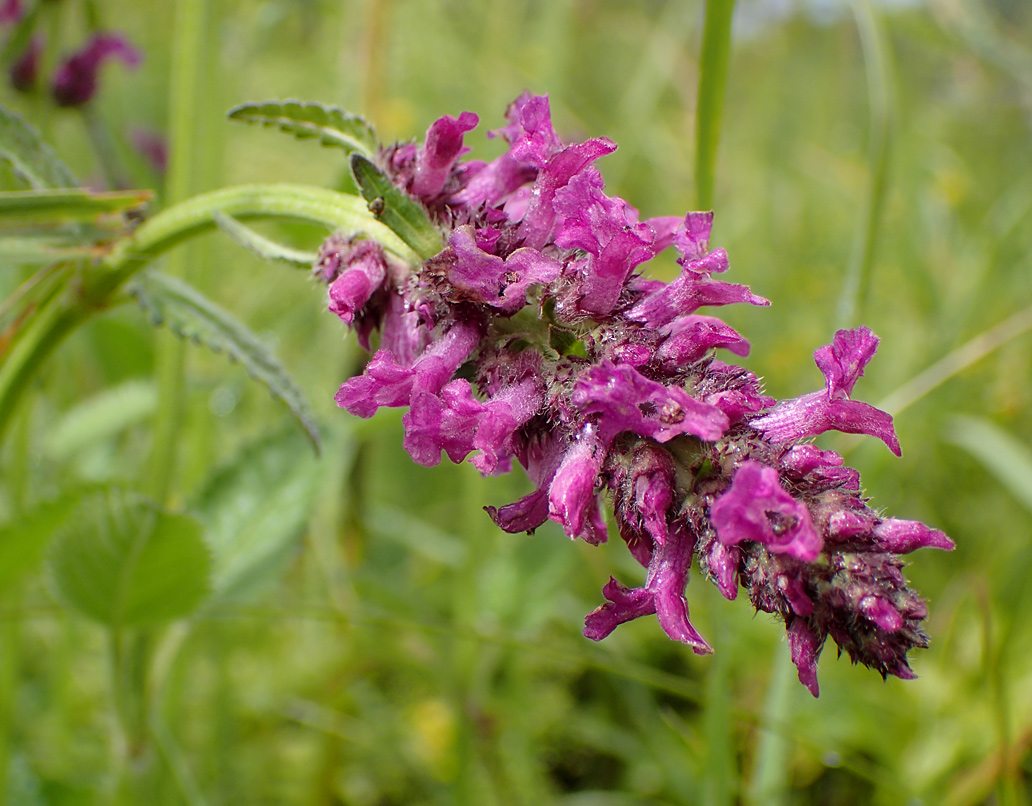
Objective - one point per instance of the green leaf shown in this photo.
(255, 511)
(23, 541)
(331, 125)
(263, 247)
(74, 203)
(99, 417)
(1009, 460)
(125, 562)
(399, 211)
(192, 315)
(29, 157)
(27, 249)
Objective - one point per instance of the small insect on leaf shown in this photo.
(376, 206)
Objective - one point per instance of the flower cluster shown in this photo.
(533, 336)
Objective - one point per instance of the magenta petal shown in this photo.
(723, 563)
(902, 537)
(572, 501)
(806, 648)
(386, 383)
(689, 338)
(442, 147)
(446, 423)
(881, 613)
(757, 508)
(623, 605)
(360, 268)
(608, 231)
(802, 459)
(487, 278)
(628, 401)
(537, 224)
(843, 361)
(668, 576)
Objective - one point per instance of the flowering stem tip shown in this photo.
(533, 335)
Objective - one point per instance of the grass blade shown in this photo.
(716, 53)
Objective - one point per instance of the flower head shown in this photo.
(534, 335)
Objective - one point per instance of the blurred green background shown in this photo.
(373, 638)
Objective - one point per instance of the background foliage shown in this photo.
(365, 634)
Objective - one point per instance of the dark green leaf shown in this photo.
(192, 315)
(59, 205)
(30, 158)
(255, 510)
(123, 561)
(263, 247)
(331, 125)
(395, 208)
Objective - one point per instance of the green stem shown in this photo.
(338, 211)
(45, 333)
(716, 54)
(99, 284)
(184, 91)
(878, 65)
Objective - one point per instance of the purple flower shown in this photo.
(842, 363)
(25, 69)
(443, 146)
(534, 334)
(757, 508)
(489, 279)
(153, 147)
(75, 81)
(387, 383)
(662, 594)
(608, 232)
(628, 401)
(10, 11)
(572, 499)
(359, 268)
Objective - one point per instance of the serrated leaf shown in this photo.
(395, 208)
(125, 562)
(60, 205)
(23, 541)
(1001, 453)
(255, 510)
(192, 315)
(30, 158)
(257, 243)
(99, 417)
(330, 124)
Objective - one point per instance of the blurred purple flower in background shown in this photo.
(75, 80)
(533, 336)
